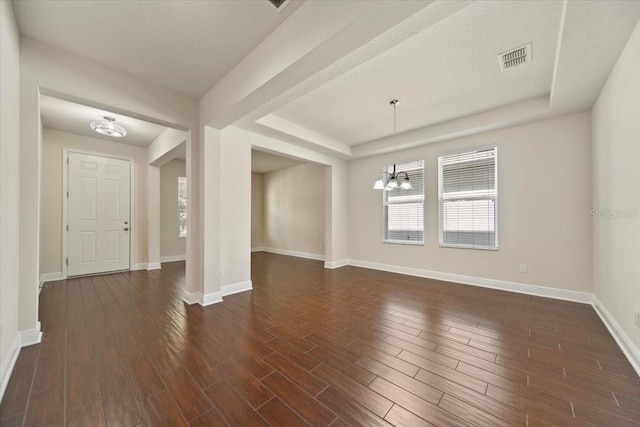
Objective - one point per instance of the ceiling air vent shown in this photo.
(279, 4)
(515, 57)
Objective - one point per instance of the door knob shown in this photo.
(126, 229)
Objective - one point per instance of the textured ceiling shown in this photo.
(74, 118)
(447, 71)
(184, 45)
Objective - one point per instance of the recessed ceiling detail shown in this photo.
(515, 57)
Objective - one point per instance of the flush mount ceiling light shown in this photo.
(108, 127)
(393, 181)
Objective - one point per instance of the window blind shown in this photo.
(403, 210)
(468, 198)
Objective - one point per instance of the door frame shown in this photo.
(65, 202)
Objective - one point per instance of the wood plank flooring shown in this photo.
(316, 347)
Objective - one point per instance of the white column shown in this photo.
(210, 224)
(153, 217)
(336, 241)
(235, 212)
(29, 259)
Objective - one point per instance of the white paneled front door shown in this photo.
(98, 214)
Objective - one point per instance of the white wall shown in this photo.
(256, 210)
(544, 197)
(170, 244)
(51, 201)
(616, 185)
(9, 190)
(294, 209)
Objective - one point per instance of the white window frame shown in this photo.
(186, 183)
(385, 168)
(440, 200)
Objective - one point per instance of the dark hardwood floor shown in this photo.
(310, 346)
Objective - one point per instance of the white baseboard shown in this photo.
(50, 277)
(236, 288)
(191, 298)
(31, 336)
(173, 258)
(203, 300)
(541, 291)
(139, 266)
(7, 368)
(294, 253)
(154, 266)
(212, 298)
(257, 249)
(336, 264)
(216, 297)
(624, 342)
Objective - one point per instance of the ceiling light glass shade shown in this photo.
(392, 184)
(109, 128)
(406, 184)
(379, 185)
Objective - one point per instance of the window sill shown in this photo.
(479, 248)
(402, 242)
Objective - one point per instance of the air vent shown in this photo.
(279, 4)
(515, 57)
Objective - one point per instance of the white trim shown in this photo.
(294, 253)
(51, 277)
(154, 266)
(203, 300)
(191, 298)
(624, 342)
(14, 351)
(31, 336)
(173, 258)
(212, 298)
(336, 264)
(257, 249)
(139, 266)
(65, 202)
(522, 288)
(236, 288)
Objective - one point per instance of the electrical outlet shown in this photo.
(222, 271)
(523, 268)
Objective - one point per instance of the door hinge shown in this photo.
(67, 261)
(67, 194)
(67, 227)
(67, 160)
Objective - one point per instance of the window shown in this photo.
(403, 210)
(468, 199)
(182, 207)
